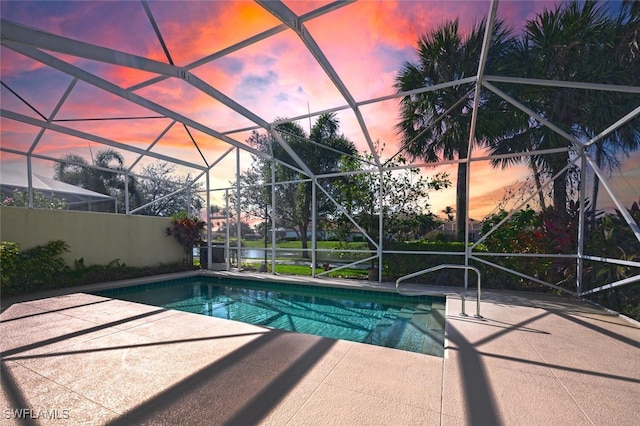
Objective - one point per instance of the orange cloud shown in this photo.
(212, 26)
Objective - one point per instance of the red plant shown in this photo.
(187, 231)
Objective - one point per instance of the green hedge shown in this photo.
(396, 265)
(42, 268)
(24, 271)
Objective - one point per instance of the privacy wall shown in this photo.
(99, 238)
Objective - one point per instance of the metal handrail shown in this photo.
(437, 268)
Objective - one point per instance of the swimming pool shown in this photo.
(414, 324)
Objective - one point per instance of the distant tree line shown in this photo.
(106, 175)
(348, 191)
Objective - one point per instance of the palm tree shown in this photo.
(629, 45)
(445, 56)
(621, 67)
(75, 170)
(521, 141)
(574, 42)
(449, 211)
(114, 182)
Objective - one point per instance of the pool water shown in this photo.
(414, 324)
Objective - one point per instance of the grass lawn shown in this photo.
(291, 269)
(305, 270)
(330, 245)
(335, 255)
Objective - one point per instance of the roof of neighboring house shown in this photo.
(15, 178)
(474, 225)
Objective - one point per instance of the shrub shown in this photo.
(531, 232)
(116, 271)
(42, 268)
(9, 261)
(396, 265)
(187, 232)
(41, 200)
(37, 267)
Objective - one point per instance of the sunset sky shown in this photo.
(366, 43)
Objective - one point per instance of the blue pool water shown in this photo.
(414, 324)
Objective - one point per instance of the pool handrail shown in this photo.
(437, 268)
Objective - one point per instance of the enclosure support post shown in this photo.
(29, 181)
(486, 42)
(227, 248)
(380, 225)
(265, 224)
(273, 216)
(314, 224)
(238, 215)
(126, 194)
(209, 224)
(581, 219)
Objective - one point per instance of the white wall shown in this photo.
(99, 238)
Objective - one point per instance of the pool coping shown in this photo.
(384, 286)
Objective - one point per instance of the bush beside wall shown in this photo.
(42, 268)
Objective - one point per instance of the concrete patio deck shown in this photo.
(533, 359)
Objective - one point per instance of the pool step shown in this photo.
(399, 328)
(436, 322)
(387, 326)
(434, 343)
(408, 329)
(413, 337)
(424, 333)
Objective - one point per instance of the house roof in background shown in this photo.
(15, 178)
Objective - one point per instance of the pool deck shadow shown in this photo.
(532, 359)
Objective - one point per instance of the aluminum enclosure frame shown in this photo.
(40, 46)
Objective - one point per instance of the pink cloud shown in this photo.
(13, 64)
(16, 135)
